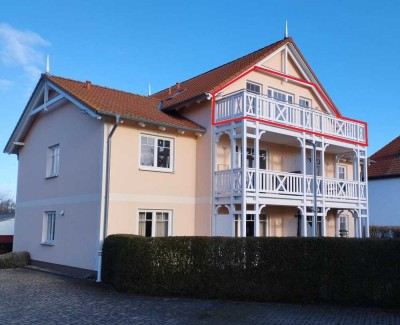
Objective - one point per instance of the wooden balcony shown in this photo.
(261, 107)
(282, 184)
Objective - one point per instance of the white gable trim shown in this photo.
(33, 107)
(74, 101)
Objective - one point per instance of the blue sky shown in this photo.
(351, 45)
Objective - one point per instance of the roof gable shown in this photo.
(215, 79)
(96, 101)
(386, 161)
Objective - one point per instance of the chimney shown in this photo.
(88, 84)
(178, 85)
(169, 91)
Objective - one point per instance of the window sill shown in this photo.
(52, 176)
(47, 244)
(155, 169)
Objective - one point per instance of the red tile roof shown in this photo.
(213, 80)
(386, 161)
(107, 101)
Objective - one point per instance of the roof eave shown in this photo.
(144, 120)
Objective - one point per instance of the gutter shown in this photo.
(169, 125)
(106, 196)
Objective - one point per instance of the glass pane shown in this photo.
(163, 154)
(162, 224)
(147, 155)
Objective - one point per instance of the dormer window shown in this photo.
(305, 102)
(281, 96)
(253, 87)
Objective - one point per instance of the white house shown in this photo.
(384, 185)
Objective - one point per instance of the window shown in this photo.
(250, 158)
(49, 227)
(253, 87)
(342, 222)
(304, 102)
(155, 223)
(309, 166)
(156, 153)
(53, 161)
(342, 172)
(263, 225)
(281, 96)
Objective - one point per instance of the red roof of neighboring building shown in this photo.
(214, 79)
(386, 161)
(110, 101)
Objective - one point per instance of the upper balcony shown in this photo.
(287, 115)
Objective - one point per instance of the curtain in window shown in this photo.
(162, 224)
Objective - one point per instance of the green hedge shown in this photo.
(324, 270)
(384, 232)
(14, 259)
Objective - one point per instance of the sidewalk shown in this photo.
(33, 297)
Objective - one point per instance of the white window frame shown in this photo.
(170, 169)
(154, 220)
(303, 100)
(49, 228)
(252, 83)
(53, 161)
(344, 169)
(271, 94)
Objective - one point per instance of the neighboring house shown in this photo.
(7, 228)
(384, 185)
(230, 152)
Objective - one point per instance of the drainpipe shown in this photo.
(106, 195)
(315, 187)
(314, 169)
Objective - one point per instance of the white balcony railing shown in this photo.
(244, 103)
(271, 182)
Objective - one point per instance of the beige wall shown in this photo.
(76, 191)
(133, 188)
(276, 62)
(201, 114)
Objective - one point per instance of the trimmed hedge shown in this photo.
(14, 259)
(384, 232)
(324, 270)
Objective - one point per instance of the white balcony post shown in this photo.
(244, 177)
(233, 166)
(323, 191)
(304, 172)
(256, 180)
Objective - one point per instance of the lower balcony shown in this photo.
(283, 184)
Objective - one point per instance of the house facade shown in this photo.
(384, 184)
(254, 147)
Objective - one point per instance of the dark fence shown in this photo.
(322, 270)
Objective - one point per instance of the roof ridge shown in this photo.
(230, 62)
(104, 87)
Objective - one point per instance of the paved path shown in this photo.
(33, 297)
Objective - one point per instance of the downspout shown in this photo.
(315, 188)
(106, 195)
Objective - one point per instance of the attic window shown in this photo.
(253, 87)
(176, 94)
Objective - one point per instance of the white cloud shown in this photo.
(22, 49)
(5, 84)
